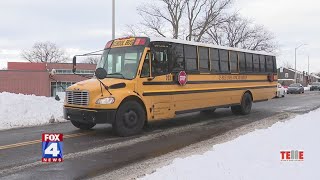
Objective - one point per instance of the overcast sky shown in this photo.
(82, 26)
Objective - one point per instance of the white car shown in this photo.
(281, 91)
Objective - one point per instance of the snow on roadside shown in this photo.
(18, 110)
(255, 155)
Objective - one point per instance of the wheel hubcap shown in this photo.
(130, 119)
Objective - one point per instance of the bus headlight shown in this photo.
(108, 100)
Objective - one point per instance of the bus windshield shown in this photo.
(121, 62)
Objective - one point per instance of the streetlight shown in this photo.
(113, 19)
(295, 61)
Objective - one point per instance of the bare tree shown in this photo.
(91, 60)
(205, 14)
(156, 17)
(242, 33)
(45, 52)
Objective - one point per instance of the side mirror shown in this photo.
(101, 73)
(74, 63)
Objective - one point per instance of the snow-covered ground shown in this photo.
(18, 110)
(255, 155)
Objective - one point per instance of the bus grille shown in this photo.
(80, 98)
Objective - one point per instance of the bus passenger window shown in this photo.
(204, 59)
(224, 61)
(160, 64)
(215, 60)
(262, 63)
(233, 62)
(177, 62)
(269, 64)
(190, 54)
(256, 65)
(242, 62)
(249, 63)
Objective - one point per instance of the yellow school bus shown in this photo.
(140, 79)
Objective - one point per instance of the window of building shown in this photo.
(177, 58)
(190, 55)
(262, 63)
(242, 62)
(204, 59)
(233, 62)
(256, 64)
(59, 87)
(215, 60)
(286, 75)
(249, 63)
(269, 64)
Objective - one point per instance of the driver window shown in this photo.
(159, 62)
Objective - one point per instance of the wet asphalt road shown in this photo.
(95, 152)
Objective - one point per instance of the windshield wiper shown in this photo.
(117, 74)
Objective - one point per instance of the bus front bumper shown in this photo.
(89, 116)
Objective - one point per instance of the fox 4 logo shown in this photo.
(52, 147)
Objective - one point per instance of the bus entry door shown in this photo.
(154, 85)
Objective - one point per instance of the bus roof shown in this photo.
(154, 39)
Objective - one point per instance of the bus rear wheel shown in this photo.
(245, 107)
(130, 119)
(83, 126)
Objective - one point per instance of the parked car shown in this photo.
(295, 88)
(281, 91)
(315, 86)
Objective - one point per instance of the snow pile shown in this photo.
(255, 155)
(18, 110)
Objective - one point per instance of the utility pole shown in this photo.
(295, 62)
(113, 20)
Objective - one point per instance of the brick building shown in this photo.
(36, 78)
(286, 77)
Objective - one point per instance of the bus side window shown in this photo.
(190, 55)
(159, 62)
(269, 64)
(262, 63)
(249, 62)
(256, 64)
(176, 58)
(242, 61)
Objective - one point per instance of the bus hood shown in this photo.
(93, 85)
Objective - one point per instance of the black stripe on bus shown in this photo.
(201, 82)
(203, 91)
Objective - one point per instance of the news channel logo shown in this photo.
(52, 147)
(292, 155)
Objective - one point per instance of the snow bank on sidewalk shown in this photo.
(18, 110)
(255, 155)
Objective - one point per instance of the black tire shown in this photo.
(208, 111)
(245, 107)
(83, 126)
(130, 119)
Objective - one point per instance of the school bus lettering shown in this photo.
(233, 77)
(139, 79)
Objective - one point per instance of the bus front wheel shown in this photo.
(83, 126)
(245, 107)
(130, 119)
